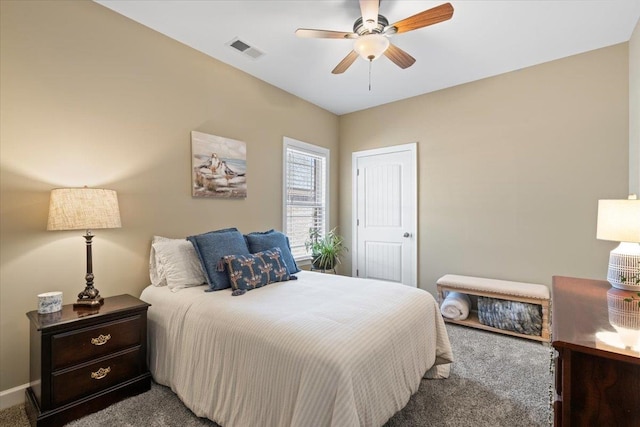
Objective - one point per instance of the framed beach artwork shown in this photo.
(219, 166)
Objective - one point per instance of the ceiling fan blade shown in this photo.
(399, 57)
(425, 18)
(369, 10)
(345, 63)
(324, 34)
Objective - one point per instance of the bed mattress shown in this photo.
(323, 350)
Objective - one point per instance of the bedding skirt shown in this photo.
(324, 350)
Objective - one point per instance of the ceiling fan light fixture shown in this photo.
(371, 46)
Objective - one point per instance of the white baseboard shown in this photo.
(12, 397)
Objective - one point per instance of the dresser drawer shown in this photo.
(86, 344)
(72, 384)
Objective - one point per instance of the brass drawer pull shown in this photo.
(101, 340)
(100, 373)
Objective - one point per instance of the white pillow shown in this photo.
(178, 264)
(155, 269)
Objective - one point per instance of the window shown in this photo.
(305, 192)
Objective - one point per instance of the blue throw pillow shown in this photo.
(258, 242)
(247, 272)
(211, 247)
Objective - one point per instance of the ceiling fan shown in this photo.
(371, 32)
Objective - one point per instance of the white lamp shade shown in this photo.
(619, 220)
(371, 46)
(83, 209)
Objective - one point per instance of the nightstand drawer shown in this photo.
(88, 379)
(84, 345)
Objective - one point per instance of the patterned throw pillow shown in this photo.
(247, 272)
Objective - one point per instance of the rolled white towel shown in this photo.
(456, 306)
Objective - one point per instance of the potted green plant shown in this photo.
(326, 250)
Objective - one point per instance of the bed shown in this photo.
(323, 350)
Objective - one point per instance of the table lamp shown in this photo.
(619, 220)
(624, 316)
(84, 209)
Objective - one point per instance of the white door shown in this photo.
(385, 214)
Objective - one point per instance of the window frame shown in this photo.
(313, 150)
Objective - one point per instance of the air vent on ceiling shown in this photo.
(245, 48)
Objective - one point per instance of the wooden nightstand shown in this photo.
(84, 360)
(597, 384)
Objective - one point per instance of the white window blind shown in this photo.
(305, 192)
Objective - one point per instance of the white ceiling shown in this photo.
(483, 39)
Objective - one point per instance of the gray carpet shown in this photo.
(496, 381)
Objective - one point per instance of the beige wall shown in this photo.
(510, 167)
(91, 98)
(634, 111)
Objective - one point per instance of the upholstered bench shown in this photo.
(500, 289)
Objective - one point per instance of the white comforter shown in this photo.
(324, 350)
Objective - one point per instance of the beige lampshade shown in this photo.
(619, 220)
(83, 209)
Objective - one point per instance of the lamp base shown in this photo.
(624, 316)
(88, 303)
(90, 296)
(624, 267)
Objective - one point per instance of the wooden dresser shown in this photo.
(84, 360)
(597, 379)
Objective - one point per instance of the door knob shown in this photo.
(406, 234)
